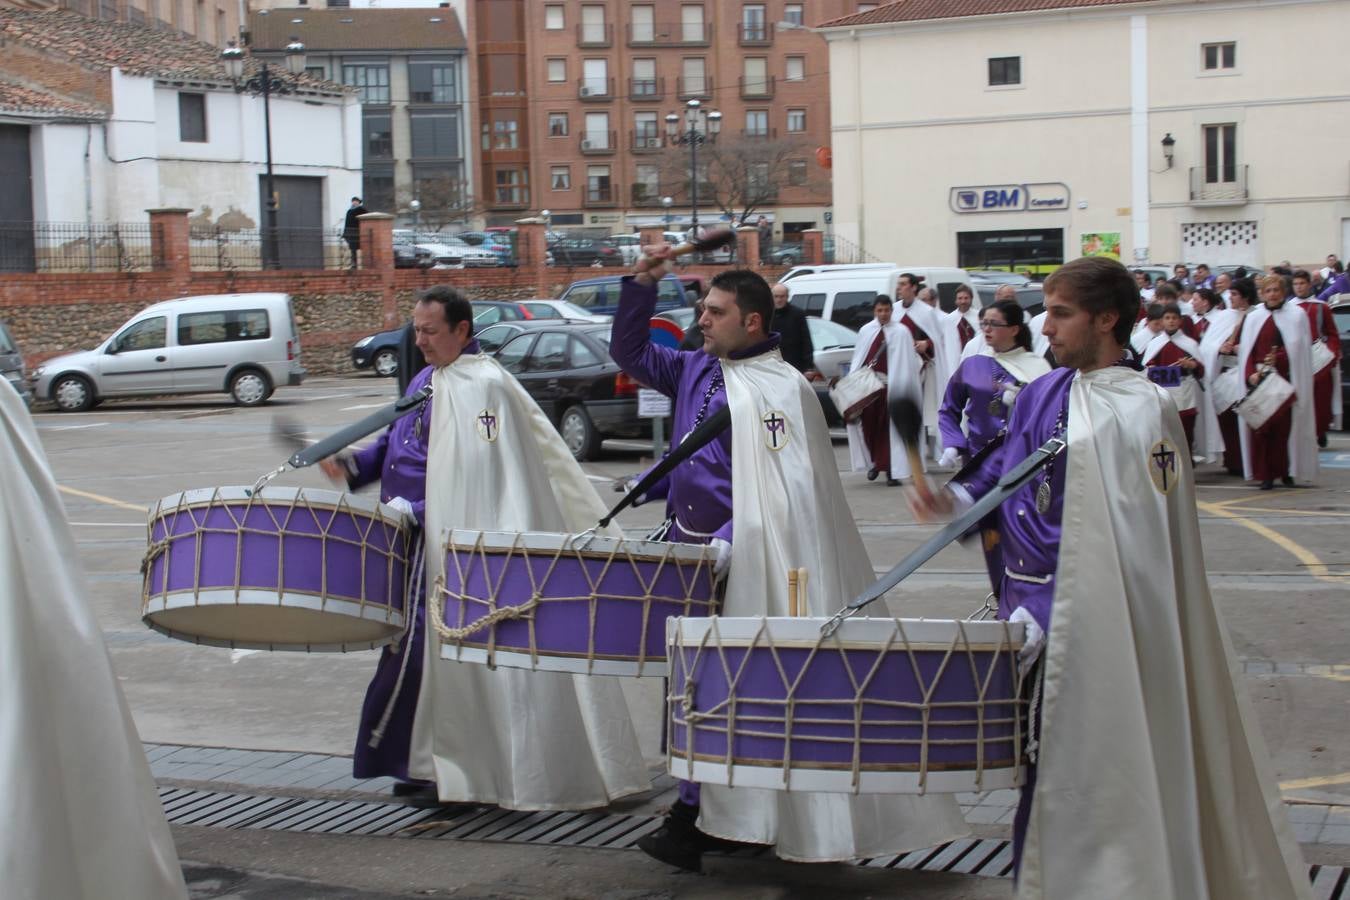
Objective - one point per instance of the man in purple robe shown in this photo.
(398, 461)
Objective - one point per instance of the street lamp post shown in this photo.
(416, 206)
(266, 83)
(667, 202)
(700, 126)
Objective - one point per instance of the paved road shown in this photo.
(1279, 565)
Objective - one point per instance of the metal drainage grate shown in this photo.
(614, 831)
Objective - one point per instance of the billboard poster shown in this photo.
(1100, 243)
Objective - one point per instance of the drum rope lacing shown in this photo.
(725, 718)
(694, 578)
(271, 515)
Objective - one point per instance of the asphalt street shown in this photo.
(1279, 568)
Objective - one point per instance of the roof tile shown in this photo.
(919, 10)
(357, 29)
(23, 100)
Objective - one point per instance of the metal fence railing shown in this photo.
(212, 248)
(78, 247)
(842, 250)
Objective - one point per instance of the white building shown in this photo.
(1020, 133)
(100, 121)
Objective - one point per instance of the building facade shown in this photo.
(573, 96)
(407, 67)
(1018, 135)
(211, 21)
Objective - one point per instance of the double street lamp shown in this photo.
(266, 82)
(699, 126)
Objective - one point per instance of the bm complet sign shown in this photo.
(1046, 195)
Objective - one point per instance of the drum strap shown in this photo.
(418, 595)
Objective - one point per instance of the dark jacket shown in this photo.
(794, 337)
(351, 229)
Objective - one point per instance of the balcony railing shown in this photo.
(510, 198)
(645, 195)
(1207, 189)
(595, 88)
(600, 195)
(759, 134)
(598, 143)
(689, 87)
(757, 87)
(595, 35)
(670, 34)
(645, 141)
(646, 88)
(756, 34)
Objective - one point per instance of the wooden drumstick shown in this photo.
(801, 591)
(908, 421)
(713, 240)
(793, 575)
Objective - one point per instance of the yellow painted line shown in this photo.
(1320, 781)
(1287, 512)
(120, 504)
(1316, 568)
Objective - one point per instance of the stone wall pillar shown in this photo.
(377, 240)
(170, 245)
(813, 247)
(747, 247)
(532, 253)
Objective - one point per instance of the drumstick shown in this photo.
(713, 240)
(908, 421)
(290, 434)
(801, 591)
(793, 575)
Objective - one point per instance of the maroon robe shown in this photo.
(1323, 323)
(875, 421)
(1171, 355)
(1270, 445)
(964, 331)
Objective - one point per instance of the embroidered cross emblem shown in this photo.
(487, 425)
(1163, 470)
(775, 429)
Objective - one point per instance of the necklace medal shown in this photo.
(1043, 497)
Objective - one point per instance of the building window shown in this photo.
(561, 178)
(797, 172)
(695, 82)
(377, 133)
(647, 184)
(512, 187)
(439, 187)
(755, 75)
(866, 7)
(192, 118)
(1219, 56)
(316, 72)
(646, 129)
(1220, 154)
(1005, 70)
(553, 17)
(557, 70)
(753, 27)
(756, 122)
(505, 134)
(794, 68)
(557, 124)
(644, 78)
(432, 82)
(593, 25)
(796, 120)
(598, 184)
(792, 14)
(691, 24)
(597, 132)
(644, 24)
(377, 187)
(434, 134)
(371, 81)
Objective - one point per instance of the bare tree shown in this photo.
(445, 200)
(742, 176)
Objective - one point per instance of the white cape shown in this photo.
(82, 818)
(519, 739)
(1040, 344)
(1337, 404)
(1296, 331)
(1154, 780)
(1206, 420)
(1021, 364)
(936, 373)
(789, 510)
(902, 378)
(1222, 324)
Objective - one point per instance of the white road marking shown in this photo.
(110, 524)
(363, 406)
(72, 427)
(236, 655)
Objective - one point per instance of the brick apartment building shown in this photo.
(572, 97)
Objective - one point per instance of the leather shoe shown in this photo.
(1287, 481)
(872, 473)
(1268, 484)
(1322, 441)
(678, 842)
(892, 482)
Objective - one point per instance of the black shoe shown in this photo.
(872, 473)
(1322, 441)
(1287, 481)
(1268, 484)
(678, 842)
(892, 482)
(411, 788)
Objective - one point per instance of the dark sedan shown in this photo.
(567, 369)
(379, 351)
(585, 252)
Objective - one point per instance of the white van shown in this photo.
(847, 296)
(242, 344)
(799, 271)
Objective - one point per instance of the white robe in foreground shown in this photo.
(82, 818)
(1222, 324)
(789, 510)
(902, 378)
(936, 374)
(1297, 334)
(519, 739)
(1154, 781)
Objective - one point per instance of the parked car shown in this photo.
(443, 255)
(600, 296)
(490, 312)
(502, 245)
(580, 251)
(408, 255)
(567, 369)
(11, 365)
(847, 296)
(473, 257)
(561, 309)
(1341, 311)
(798, 271)
(242, 344)
(628, 245)
(379, 351)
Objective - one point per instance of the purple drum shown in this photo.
(583, 604)
(882, 706)
(279, 569)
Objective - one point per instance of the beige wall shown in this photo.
(926, 121)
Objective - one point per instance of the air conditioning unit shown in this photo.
(586, 145)
(585, 91)
(650, 143)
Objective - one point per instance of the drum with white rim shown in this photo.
(890, 706)
(276, 569)
(584, 604)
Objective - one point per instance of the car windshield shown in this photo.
(601, 335)
(827, 335)
(568, 308)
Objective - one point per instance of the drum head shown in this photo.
(305, 624)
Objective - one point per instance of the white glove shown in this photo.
(401, 506)
(1010, 395)
(1035, 640)
(950, 457)
(723, 550)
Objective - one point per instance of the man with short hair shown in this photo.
(1172, 360)
(786, 495)
(351, 227)
(1105, 571)
(1327, 379)
(1183, 275)
(1338, 282)
(874, 446)
(1223, 284)
(1148, 329)
(794, 335)
(965, 318)
(1145, 285)
(1202, 278)
(1332, 262)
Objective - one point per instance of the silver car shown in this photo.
(245, 345)
(11, 365)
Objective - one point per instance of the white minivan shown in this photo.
(241, 344)
(846, 296)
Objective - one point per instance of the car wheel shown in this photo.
(386, 363)
(579, 434)
(73, 393)
(250, 387)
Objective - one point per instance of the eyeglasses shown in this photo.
(987, 325)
